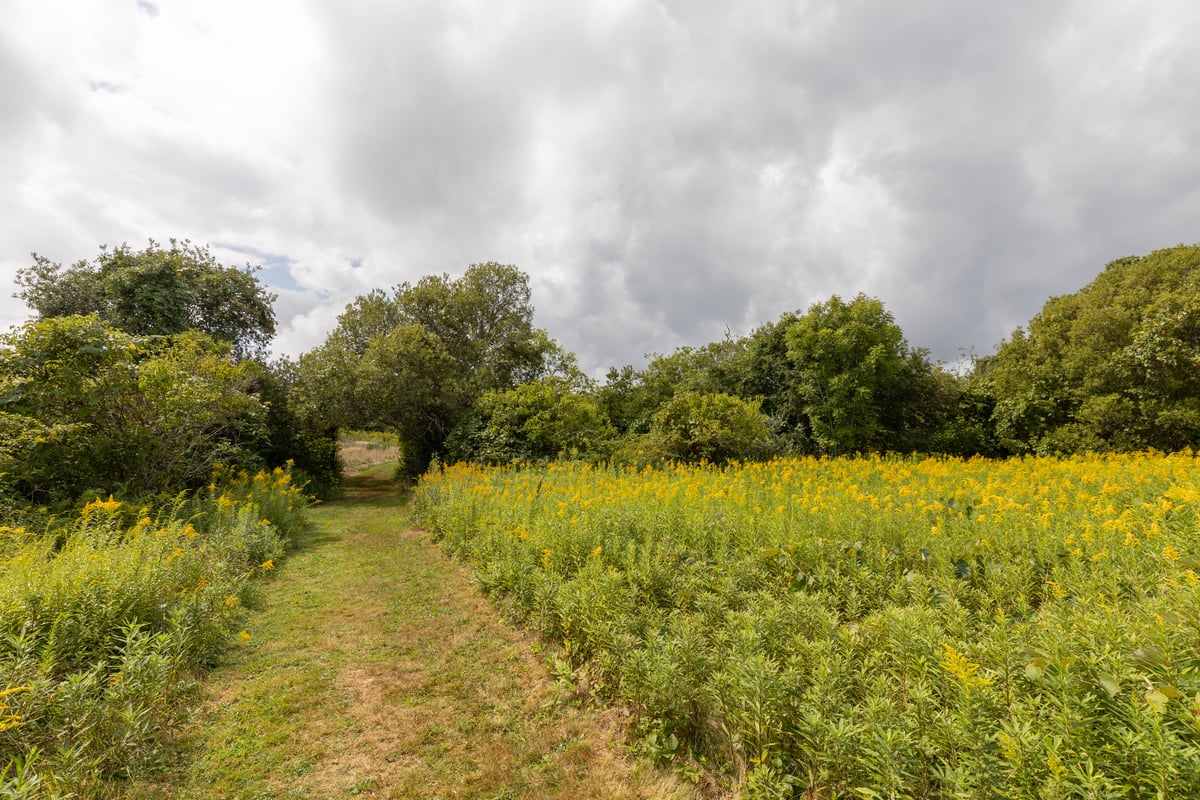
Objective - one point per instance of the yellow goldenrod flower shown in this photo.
(108, 506)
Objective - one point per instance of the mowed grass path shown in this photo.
(376, 669)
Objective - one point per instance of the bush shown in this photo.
(693, 427)
(535, 422)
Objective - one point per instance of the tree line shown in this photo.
(145, 368)
(458, 370)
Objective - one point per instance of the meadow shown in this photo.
(108, 616)
(865, 627)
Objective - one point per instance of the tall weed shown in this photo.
(105, 618)
(869, 627)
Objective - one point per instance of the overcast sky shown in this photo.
(664, 171)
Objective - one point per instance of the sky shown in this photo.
(665, 172)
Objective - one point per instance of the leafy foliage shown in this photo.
(417, 361)
(1111, 367)
(312, 451)
(535, 422)
(631, 398)
(853, 371)
(84, 406)
(694, 427)
(156, 291)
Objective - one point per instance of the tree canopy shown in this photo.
(140, 372)
(156, 291)
(417, 360)
(1113, 366)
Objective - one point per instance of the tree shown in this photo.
(308, 444)
(156, 291)
(87, 407)
(328, 387)
(696, 426)
(1110, 367)
(195, 409)
(534, 422)
(417, 361)
(769, 374)
(848, 359)
(630, 398)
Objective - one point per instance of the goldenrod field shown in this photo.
(106, 617)
(867, 627)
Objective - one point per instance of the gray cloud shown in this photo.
(662, 171)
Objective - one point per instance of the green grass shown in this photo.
(375, 669)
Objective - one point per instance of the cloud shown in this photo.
(663, 171)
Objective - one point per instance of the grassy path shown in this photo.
(375, 669)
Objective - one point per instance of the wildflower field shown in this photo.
(106, 617)
(867, 627)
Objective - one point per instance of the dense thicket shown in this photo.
(417, 360)
(88, 407)
(141, 373)
(458, 370)
(157, 381)
(838, 378)
(1114, 366)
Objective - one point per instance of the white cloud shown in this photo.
(661, 171)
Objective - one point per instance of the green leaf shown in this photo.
(1110, 684)
(1150, 656)
(1157, 700)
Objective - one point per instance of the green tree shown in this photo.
(196, 409)
(416, 361)
(534, 422)
(1110, 367)
(87, 407)
(695, 426)
(769, 373)
(156, 291)
(630, 398)
(328, 384)
(309, 444)
(848, 360)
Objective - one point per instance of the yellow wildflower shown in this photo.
(965, 671)
(108, 506)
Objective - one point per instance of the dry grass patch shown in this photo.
(362, 454)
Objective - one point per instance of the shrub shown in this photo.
(693, 427)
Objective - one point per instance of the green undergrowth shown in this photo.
(867, 627)
(376, 669)
(107, 617)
